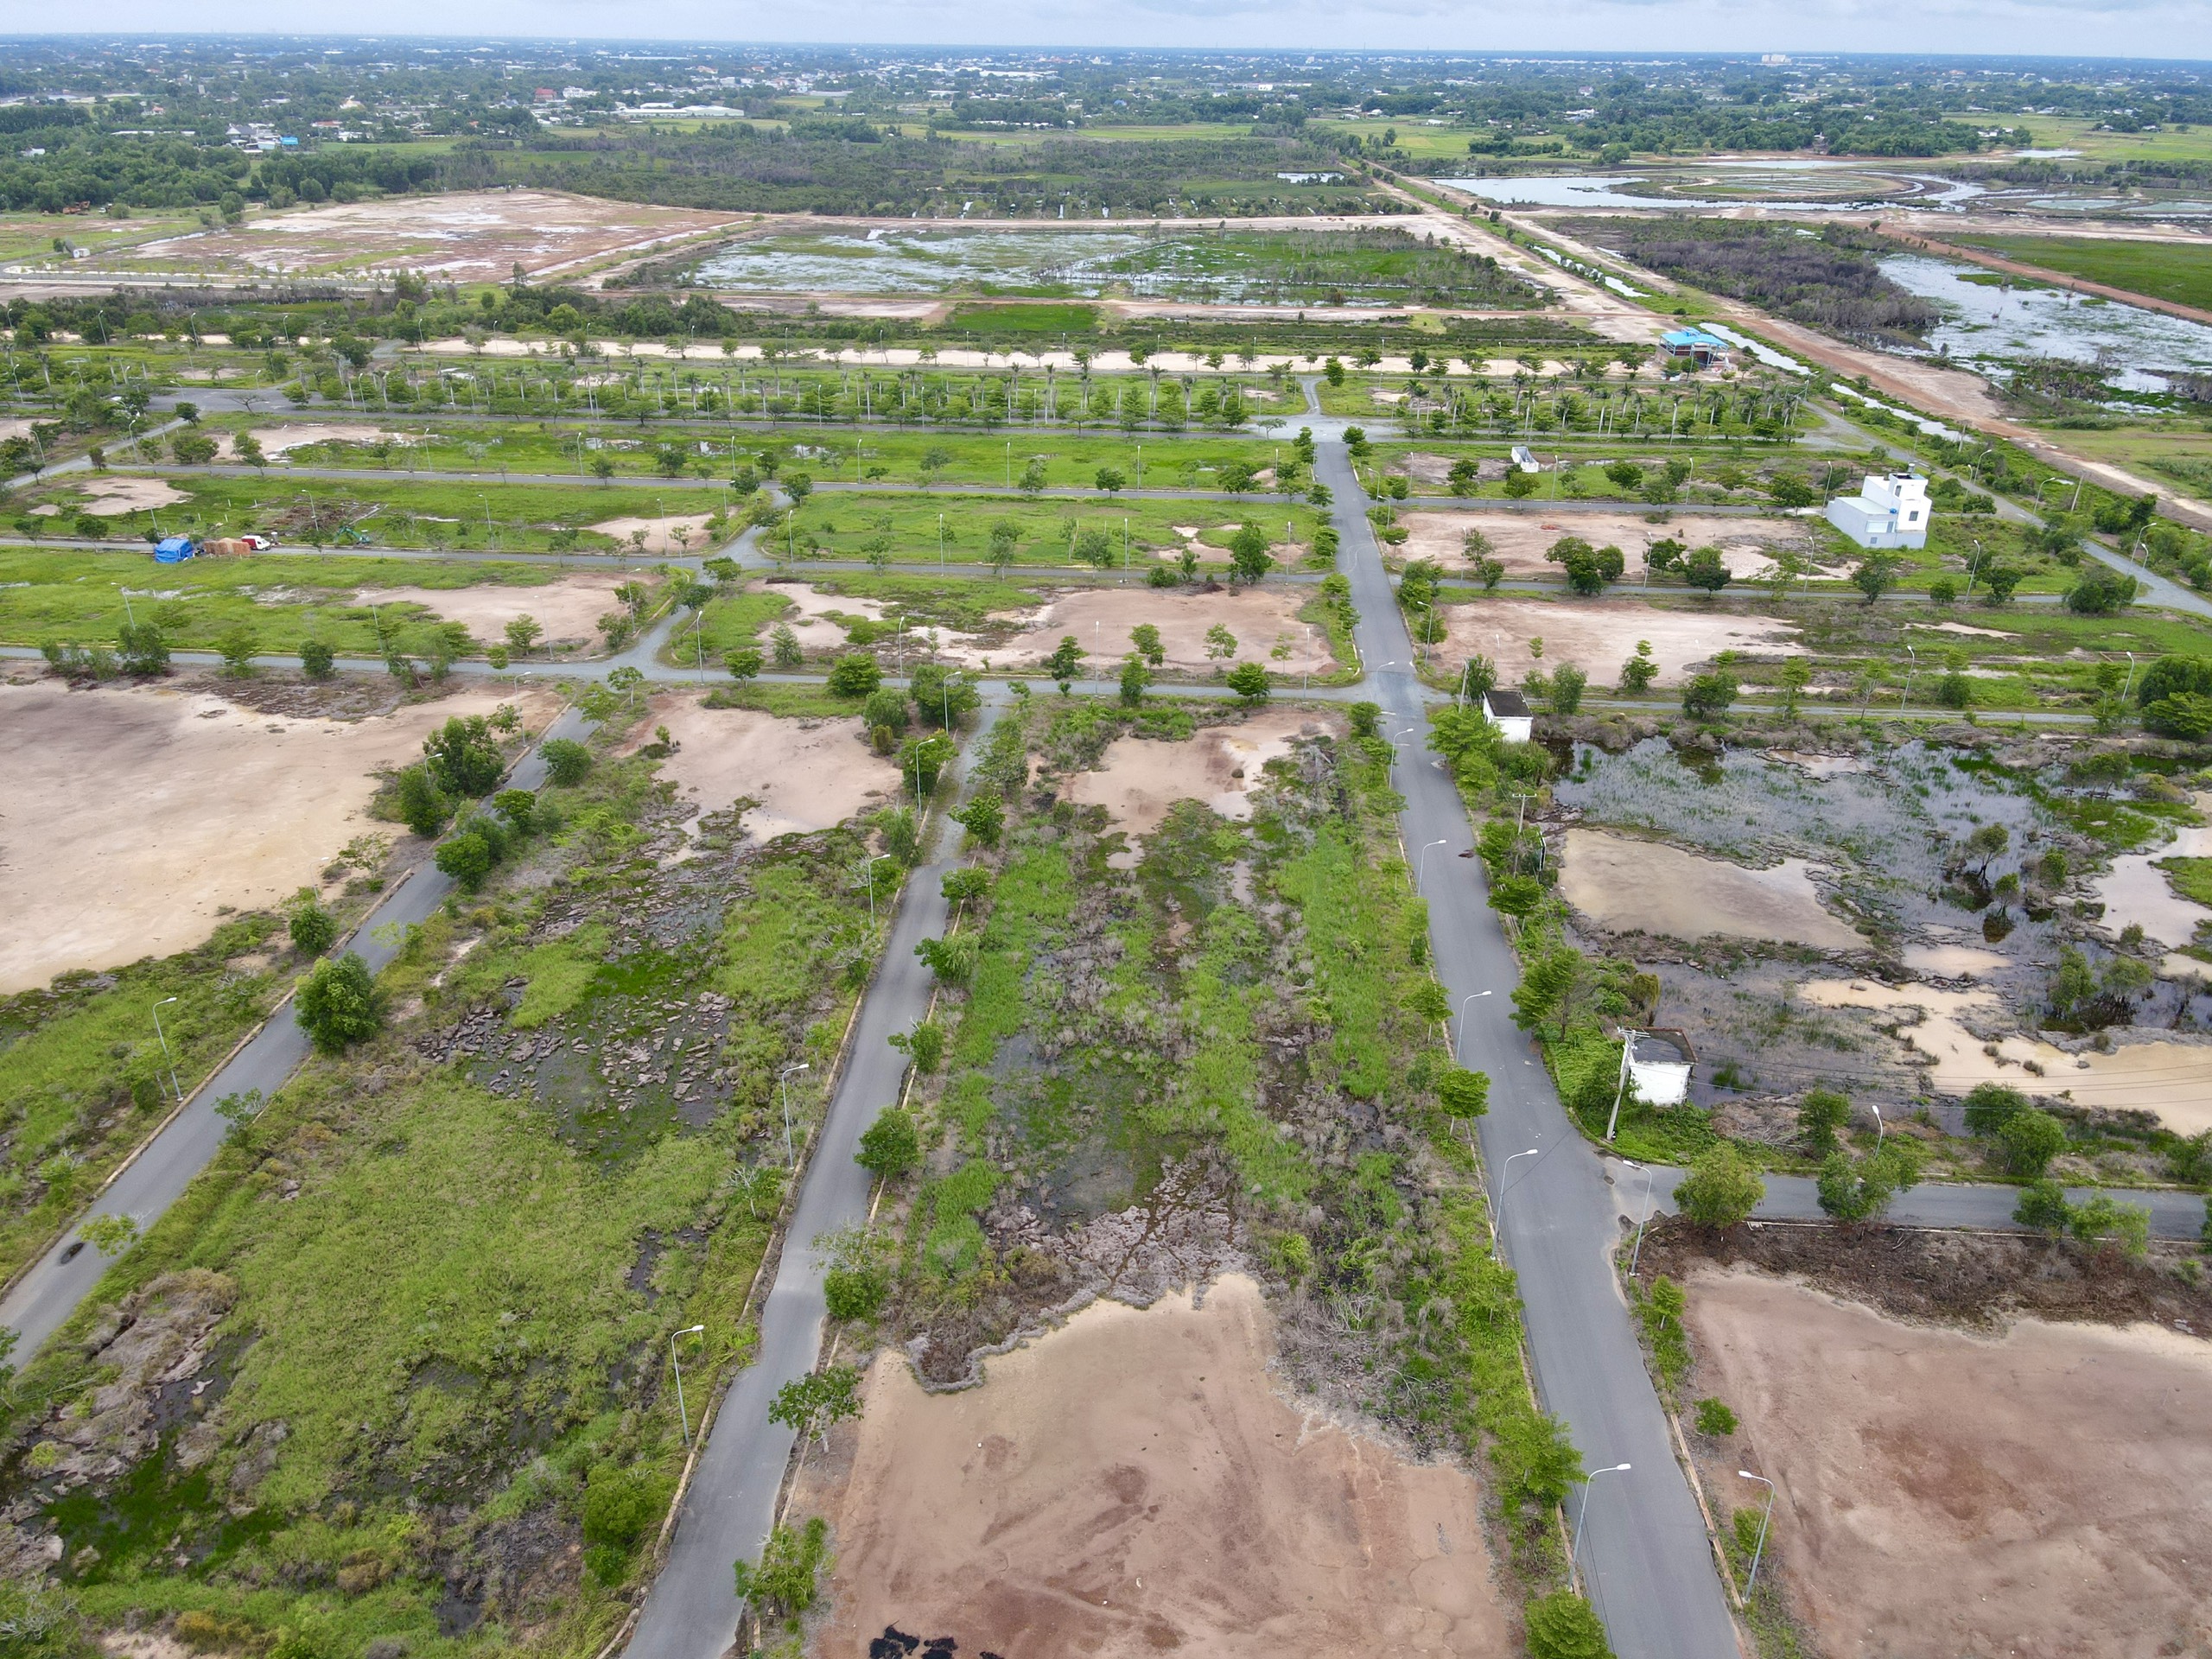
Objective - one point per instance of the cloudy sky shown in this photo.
(2147, 28)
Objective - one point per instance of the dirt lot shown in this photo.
(1132, 1483)
(1598, 635)
(806, 774)
(2170, 1079)
(111, 498)
(660, 533)
(1927, 1508)
(1628, 886)
(567, 608)
(277, 441)
(133, 816)
(466, 236)
(1140, 777)
(1519, 540)
(1101, 618)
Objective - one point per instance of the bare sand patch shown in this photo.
(1519, 540)
(1426, 468)
(1647, 887)
(1963, 628)
(2171, 1079)
(1598, 635)
(814, 626)
(133, 815)
(660, 533)
(1927, 1507)
(1132, 1483)
(1263, 619)
(568, 607)
(1139, 778)
(276, 441)
(111, 498)
(806, 774)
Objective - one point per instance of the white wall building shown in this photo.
(1659, 1066)
(1888, 511)
(1509, 712)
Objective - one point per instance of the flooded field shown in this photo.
(1793, 187)
(1993, 327)
(891, 261)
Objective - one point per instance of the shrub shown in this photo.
(2100, 592)
(1714, 1417)
(1249, 682)
(2102, 1221)
(567, 761)
(317, 660)
(1562, 1626)
(2029, 1141)
(884, 707)
(1944, 590)
(891, 1145)
(983, 818)
(1819, 1115)
(423, 805)
(1707, 696)
(518, 806)
(622, 1504)
(1465, 1093)
(464, 757)
(313, 929)
(1721, 1190)
(853, 1293)
(2042, 1206)
(855, 676)
(338, 1004)
(1854, 1189)
(783, 1583)
(467, 858)
(1990, 1106)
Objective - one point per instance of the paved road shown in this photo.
(47, 1294)
(1648, 1565)
(1795, 1198)
(692, 1610)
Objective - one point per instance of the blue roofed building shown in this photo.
(1707, 351)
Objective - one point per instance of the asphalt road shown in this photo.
(691, 1612)
(49, 1291)
(1795, 1198)
(1648, 1567)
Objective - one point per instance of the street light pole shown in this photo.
(1759, 1549)
(174, 1086)
(1421, 864)
(782, 1083)
(867, 874)
(1574, 1557)
(1459, 1048)
(1498, 1219)
(1636, 1254)
(683, 1414)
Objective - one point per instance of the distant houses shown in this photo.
(1888, 511)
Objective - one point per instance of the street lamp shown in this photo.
(171, 1058)
(681, 1414)
(1459, 1049)
(867, 874)
(783, 1082)
(1880, 1127)
(1636, 1254)
(1421, 864)
(1497, 1220)
(1574, 1557)
(1759, 1549)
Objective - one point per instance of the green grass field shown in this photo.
(2078, 132)
(920, 528)
(2181, 272)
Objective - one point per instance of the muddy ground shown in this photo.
(1598, 636)
(1135, 1483)
(2030, 1484)
(803, 775)
(134, 817)
(1627, 886)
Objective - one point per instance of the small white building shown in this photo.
(1888, 511)
(1524, 459)
(1509, 712)
(1659, 1066)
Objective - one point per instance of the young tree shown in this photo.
(2042, 1206)
(567, 761)
(1549, 986)
(2029, 1141)
(1721, 1190)
(522, 633)
(744, 663)
(1146, 638)
(1136, 676)
(1465, 1093)
(1639, 671)
(423, 806)
(464, 757)
(854, 676)
(236, 644)
(1568, 684)
(1249, 681)
(1066, 662)
(1877, 573)
(891, 1145)
(1819, 1115)
(1796, 675)
(983, 818)
(782, 1586)
(1706, 569)
(1563, 1625)
(337, 1004)
(1707, 696)
(519, 807)
(1852, 1189)
(312, 928)
(1248, 558)
(317, 660)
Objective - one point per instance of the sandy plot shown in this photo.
(1132, 1484)
(660, 533)
(1426, 468)
(1647, 887)
(1519, 540)
(111, 498)
(1598, 636)
(2039, 1495)
(812, 625)
(276, 441)
(1140, 777)
(806, 774)
(2171, 1080)
(463, 236)
(1101, 618)
(130, 816)
(567, 608)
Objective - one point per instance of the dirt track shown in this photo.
(1133, 1484)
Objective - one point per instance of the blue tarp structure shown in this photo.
(174, 550)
